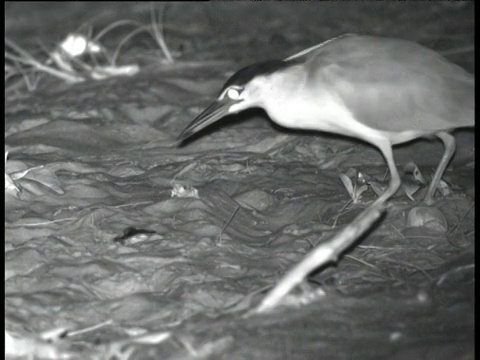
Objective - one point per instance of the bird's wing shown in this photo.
(393, 85)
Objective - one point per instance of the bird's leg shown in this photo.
(449, 142)
(386, 149)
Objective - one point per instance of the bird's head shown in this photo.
(243, 90)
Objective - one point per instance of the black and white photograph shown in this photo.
(258, 180)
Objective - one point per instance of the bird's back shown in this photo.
(392, 85)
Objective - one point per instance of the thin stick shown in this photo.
(157, 26)
(228, 223)
(323, 254)
(130, 35)
(27, 59)
(115, 25)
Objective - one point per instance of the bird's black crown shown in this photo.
(244, 75)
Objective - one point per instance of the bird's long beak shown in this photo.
(214, 112)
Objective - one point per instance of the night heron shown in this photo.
(381, 90)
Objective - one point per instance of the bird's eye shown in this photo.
(233, 93)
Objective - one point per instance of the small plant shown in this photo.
(81, 56)
(352, 187)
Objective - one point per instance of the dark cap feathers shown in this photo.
(244, 75)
